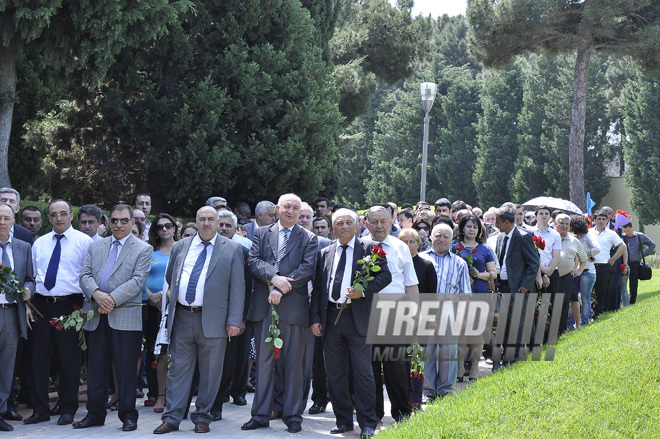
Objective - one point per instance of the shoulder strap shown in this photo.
(641, 252)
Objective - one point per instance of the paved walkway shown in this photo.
(314, 426)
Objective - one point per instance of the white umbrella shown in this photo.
(553, 203)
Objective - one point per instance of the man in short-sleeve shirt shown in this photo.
(604, 263)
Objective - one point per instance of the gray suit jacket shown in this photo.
(522, 260)
(128, 278)
(22, 252)
(224, 286)
(297, 263)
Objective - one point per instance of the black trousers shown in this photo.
(234, 370)
(107, 344)
(46, 340)
(395, 373)
(563, 297)
(603, 287)
(633, 281)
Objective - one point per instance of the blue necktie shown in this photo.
(194, 276)
(51, 272)
(109, 264)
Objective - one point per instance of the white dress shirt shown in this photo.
(196, 247)
(606, 240)
(241, 240)
(503, 274)
(10, 254)
(346, 279)
(73, 255)
(400, 263)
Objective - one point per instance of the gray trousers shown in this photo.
(9, 334)
(189, 346)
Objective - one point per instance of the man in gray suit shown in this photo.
(112, 280)
(207, 282)
(17, 255)
(284, 254)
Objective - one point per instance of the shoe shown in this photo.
(250, 388)
(129, 425)
(87, 422)
(341, 429)
(65, 419)
(294, 427)
(253, 424)
(5, 427)
(202, 427)
(216, 415)
(240, 400)
(367, 433)
(317, 408)
(165, 427)
(12, 415)
(149, 402)
(275, 415)
(459, 379)
(139, 393)
(56, 410)
(37, 417)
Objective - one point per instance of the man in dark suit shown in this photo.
(282, 257)
(17, 255)
(205, 272)
(335, 273)
(112, 280)
(264, 215)
(519, 264)
(13, 199)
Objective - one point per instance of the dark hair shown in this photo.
(458, 205)
(407, 206)
(57, 200)
(188, 226)
(154, 239)
(579, 224)
(321, 200)
(407, 213)
(117, 207)
(542, 207)
(140, 194)
(442, 202)
(30, 209)
(475, 219)
(90, 209)
(443, 219)
(243, 208)
(139, 226)
(338, 206)
(600, 212)
(322, 218)
(419, 221)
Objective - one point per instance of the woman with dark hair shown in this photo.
(423, 227)
(162, 234)
(190, 229)
(471, 246)
(580, 229)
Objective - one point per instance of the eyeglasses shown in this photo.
(58, 214)
(167, 226)
(422, 228)
(122, 220)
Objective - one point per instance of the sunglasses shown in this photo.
(117, 220)
(422, 228)
(167, 226)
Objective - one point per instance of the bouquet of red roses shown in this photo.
(468, 258)
(539, 242)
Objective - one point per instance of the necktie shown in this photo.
(280, 253)
(339, 275)
(194, 275)
(503, 251)
(6, 263)
(51, 272)
(109, 264)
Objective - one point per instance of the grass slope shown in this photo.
(603, 383)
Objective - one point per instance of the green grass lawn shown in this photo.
(603, 383)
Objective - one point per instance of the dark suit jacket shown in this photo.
(322, 287)
(297, 263)
(224, 286)
(22, 233)
(22, 253)
(522, 261)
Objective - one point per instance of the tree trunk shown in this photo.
(578, 117)
(7, 99)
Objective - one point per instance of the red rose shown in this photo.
(413, 374)
(76, 307)
(2, 266)
(622, 267)
(378, 251)
(276, 352)
(459, 247)
(154, 364)
(474, 250)
(59, 326)
(421, 376)
(53, 322)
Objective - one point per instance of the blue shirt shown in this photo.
(157, 274)
(479, 260)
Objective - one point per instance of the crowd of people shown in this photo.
(267, 303)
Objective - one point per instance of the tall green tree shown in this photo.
(502, 30)
(84, 35)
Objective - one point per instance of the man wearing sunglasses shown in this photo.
(112, 280)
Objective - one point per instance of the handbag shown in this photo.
(645, 272)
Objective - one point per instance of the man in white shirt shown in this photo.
(604, 263)
(58, 259)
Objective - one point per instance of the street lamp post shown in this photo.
(427, 91)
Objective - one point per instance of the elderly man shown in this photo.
(282, 261)
(31, 220)
(89, 220)
(571, 249)
(13, 325)
(441, 366)
(114, 275)
(13, 199)
(335, 273)
(265, 215)
(206, 306)
(404, 281)
(218, 203)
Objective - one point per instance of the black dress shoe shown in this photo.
(65, 419)
(139, 394)
(56, 410)
(129, 425)
(216, 415)
(12, 415)
(341, 429)
(367, 433)
(37, 417)
(317, 408)
(239, 400)
(253, 424)
(250, 388)
(5, 427)
(87, 422)
(294, 427)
